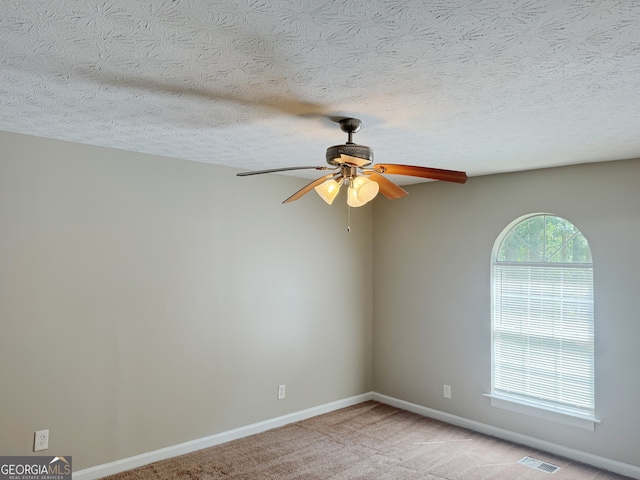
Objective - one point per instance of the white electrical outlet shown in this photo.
(41, 440)
(281, 392)
(446, 390)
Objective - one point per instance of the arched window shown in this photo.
(542, 317)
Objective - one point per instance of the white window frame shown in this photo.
(519, 403)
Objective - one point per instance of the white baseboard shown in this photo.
(570, 453)
(136, 461)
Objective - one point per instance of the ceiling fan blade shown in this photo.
(307, 188)
(424, 172)
(387, 187)
(273, 170)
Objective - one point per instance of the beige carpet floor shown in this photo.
(366, 441)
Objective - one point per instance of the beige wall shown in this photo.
(432, 295)
(147, 301)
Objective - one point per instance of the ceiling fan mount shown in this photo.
(350, 125)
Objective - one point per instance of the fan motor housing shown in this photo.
(360, 151)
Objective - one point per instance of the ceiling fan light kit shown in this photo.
(352, 166)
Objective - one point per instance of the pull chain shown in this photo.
(348, 218)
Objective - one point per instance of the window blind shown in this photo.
(543, 344)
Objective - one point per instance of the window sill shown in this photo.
(536, 411)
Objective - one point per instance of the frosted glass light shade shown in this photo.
(328, 190)
(352, 198)
(365, 189)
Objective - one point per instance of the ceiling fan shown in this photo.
(352, 166)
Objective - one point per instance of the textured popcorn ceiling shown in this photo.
(482, 86)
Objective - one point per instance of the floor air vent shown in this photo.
(539, 465)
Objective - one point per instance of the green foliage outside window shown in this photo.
(545, 239)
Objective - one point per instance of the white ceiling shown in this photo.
(482, 86)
